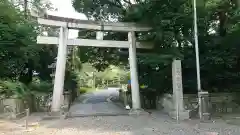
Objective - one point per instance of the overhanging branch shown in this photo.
(128, 2)
(116, 4)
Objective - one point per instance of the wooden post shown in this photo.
(27, 116)
(94, 80)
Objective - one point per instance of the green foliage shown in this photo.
(41, 86)
(13, 89)
(172, 23)
(86, 90)
(20, 56)
(16, 40)
(71, 82)
(17, 89)
(74, 61)
(47, 56)
(111, 73)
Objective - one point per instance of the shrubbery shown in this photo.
(41, 86)
(13, 89)
(17, 89)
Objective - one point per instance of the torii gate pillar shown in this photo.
(60, 70)
(136, 105)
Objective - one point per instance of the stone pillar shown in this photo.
(67, 100)
(60, 70)
(179, 112)
(177, 84)
(205, 111)
(136, 105)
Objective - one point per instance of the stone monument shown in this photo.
(178, 112)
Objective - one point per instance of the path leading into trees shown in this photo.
(97, 103)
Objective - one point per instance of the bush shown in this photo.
(71, 83)
(85, 90)
(13, 89)
(113, 85)
(28, 94)
(41, 86)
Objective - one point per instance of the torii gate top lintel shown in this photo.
(88, 24)
(71, 23)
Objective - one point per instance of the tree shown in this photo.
(20, 55)
(16, 33)
(173, 35)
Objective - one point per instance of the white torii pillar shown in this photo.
(136, 105)
(60, 70)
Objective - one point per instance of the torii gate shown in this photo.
(66, 23)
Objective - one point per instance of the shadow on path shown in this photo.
(97, 103)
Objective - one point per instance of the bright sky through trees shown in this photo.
(65, 9)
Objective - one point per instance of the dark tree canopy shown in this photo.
(172, 20)
(172, 35)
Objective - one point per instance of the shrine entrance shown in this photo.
(130, 28)
(62, 41)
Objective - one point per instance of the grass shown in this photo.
(86, 90)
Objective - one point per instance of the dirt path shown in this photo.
(120, 125)
(97, 103)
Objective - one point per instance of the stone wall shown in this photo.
(41, 102)
(12, 107)
(15, 108)
(220, 103)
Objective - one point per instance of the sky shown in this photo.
(65, 9)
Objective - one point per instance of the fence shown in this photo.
(10, 114)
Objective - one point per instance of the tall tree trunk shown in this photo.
(26, 76)
(222, 24)
(25, 7)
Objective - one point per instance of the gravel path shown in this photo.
(97, 103)
(122, 125)
(154, 124)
